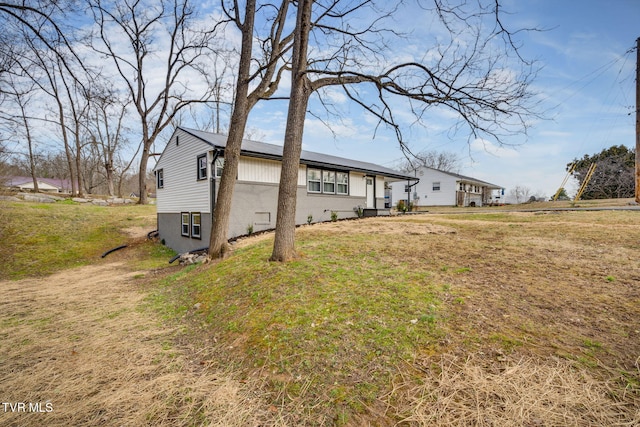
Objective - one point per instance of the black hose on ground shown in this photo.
(113, 250)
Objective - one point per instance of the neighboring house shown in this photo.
(439, 188)
(25, 183)
(189, 170)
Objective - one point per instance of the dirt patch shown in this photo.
(76, 349)
(379, 225)
(136, 232)
(385, 225)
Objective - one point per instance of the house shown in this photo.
(189, 170)
(440, 188)
(25, 183)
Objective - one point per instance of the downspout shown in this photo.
(216, 154)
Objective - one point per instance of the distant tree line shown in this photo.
(613, 176)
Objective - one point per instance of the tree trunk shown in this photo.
(218, 244)
(142, 174)
(79, 162)
(109, 172)
(284, 244)
(32, 160)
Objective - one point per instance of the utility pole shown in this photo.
(638, 120)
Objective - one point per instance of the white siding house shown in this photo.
(189, 170)
(439, 188)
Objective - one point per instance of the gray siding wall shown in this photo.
(169, 227)
(256, 204)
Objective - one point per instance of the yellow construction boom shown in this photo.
(587, 177)
(564, 182)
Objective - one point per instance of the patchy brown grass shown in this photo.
(489, 319)
(79, 342)
(532, 322)
(465, 391)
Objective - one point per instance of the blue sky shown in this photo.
(586, 88)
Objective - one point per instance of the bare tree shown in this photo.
(469, 79)
(107, 132)
(440, 160)
(42, 51)
(266, 78)
(44, 23)
(47, 71)
(22, 94)
(520, 193)
(158, 90)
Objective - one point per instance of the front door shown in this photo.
(371, 196)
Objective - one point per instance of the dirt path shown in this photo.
(76, 349)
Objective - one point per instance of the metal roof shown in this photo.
(272, 151)
(466, 178)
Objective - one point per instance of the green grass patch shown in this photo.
(39, 239)
(327, 318)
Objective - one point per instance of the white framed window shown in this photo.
(342, 183)
(219, 164)
(314, 180)
(202, 166)
(196, 227)
(184, 220)
(461, 187)
(328, 182)
(160, 178)
(435, 186)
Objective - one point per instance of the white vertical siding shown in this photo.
(358, 185)
(259, 170)
(379, 187)
(182, 191)
(302, 176)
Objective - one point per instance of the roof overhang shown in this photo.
(266, 151)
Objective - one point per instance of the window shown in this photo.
(195, 225)
(160, 178)
(202, 167)
(218, 167)
(342, 182)
(461, 187)
(313, 180)
(328, 182)
(435, 186)
(185, 224)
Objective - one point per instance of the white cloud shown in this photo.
(481, 146)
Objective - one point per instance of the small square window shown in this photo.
(202, 167)
(195, 225)
(435, 186)
(160, 178)
(184, 224)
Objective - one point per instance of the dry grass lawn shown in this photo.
(536, 324)
(78, 344)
